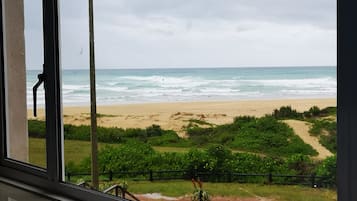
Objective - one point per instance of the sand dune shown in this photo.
(301, 128)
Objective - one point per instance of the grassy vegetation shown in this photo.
(152, 135)
(326, 131)
(37, 152)
(277, 193)
(77, 150)
(323, 123)
(264, 135)
(74, 150)
(274, 140)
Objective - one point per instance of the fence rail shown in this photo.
(308, 180)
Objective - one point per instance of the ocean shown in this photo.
(126, 86)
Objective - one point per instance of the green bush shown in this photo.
(37, 128)
(328, 168)
(132, 156)
(286, 112)
(300, 164)
(219, 159)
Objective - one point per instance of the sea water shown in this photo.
(126, 86)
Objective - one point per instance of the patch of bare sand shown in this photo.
(301, 128)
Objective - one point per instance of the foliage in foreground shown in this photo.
(137, 157)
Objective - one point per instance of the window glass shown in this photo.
(23, 45)
(238, 92)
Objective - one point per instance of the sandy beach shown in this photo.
(176, 115)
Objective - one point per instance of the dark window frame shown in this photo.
(51, 180)
(346, 100)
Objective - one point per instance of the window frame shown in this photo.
(346, 100)
(52, 179)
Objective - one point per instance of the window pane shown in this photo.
(23, 36)
(204, 89)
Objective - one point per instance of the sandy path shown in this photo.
(301, 128)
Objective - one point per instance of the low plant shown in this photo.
(199, 194)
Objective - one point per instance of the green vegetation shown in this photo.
(199, 194)
(328, 168)
(264, 135)
(286, 112)
(261, 135)
(326, 131)
(76, 150)
(268, 145)
(198, 123)
(152, 135)
(323, 123)
(137, 157)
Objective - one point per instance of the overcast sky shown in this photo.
(191, 33)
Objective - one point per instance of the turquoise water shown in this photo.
(122, 86)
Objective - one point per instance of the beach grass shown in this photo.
(275, 192)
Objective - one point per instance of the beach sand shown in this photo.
(177, 115)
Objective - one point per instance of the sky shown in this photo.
(191, 33)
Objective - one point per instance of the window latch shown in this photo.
(41, 78)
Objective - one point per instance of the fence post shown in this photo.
(313, 177)
(110, 175)
(270, 178)
(116, 191)
(68, 177)
(151, 176)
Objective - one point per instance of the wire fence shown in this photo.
(165, 175)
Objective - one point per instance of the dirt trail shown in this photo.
(301, 128)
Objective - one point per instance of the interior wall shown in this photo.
(15, 79)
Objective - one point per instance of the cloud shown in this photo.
(207, 33)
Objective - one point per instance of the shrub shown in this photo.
(328, 169)
(154, 130)
(299, 164)
(315, 111)
(219, 159)
(37, 128)
(286, 112)
(132, 156)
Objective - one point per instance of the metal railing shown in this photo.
(123, 192)
(308, 180)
